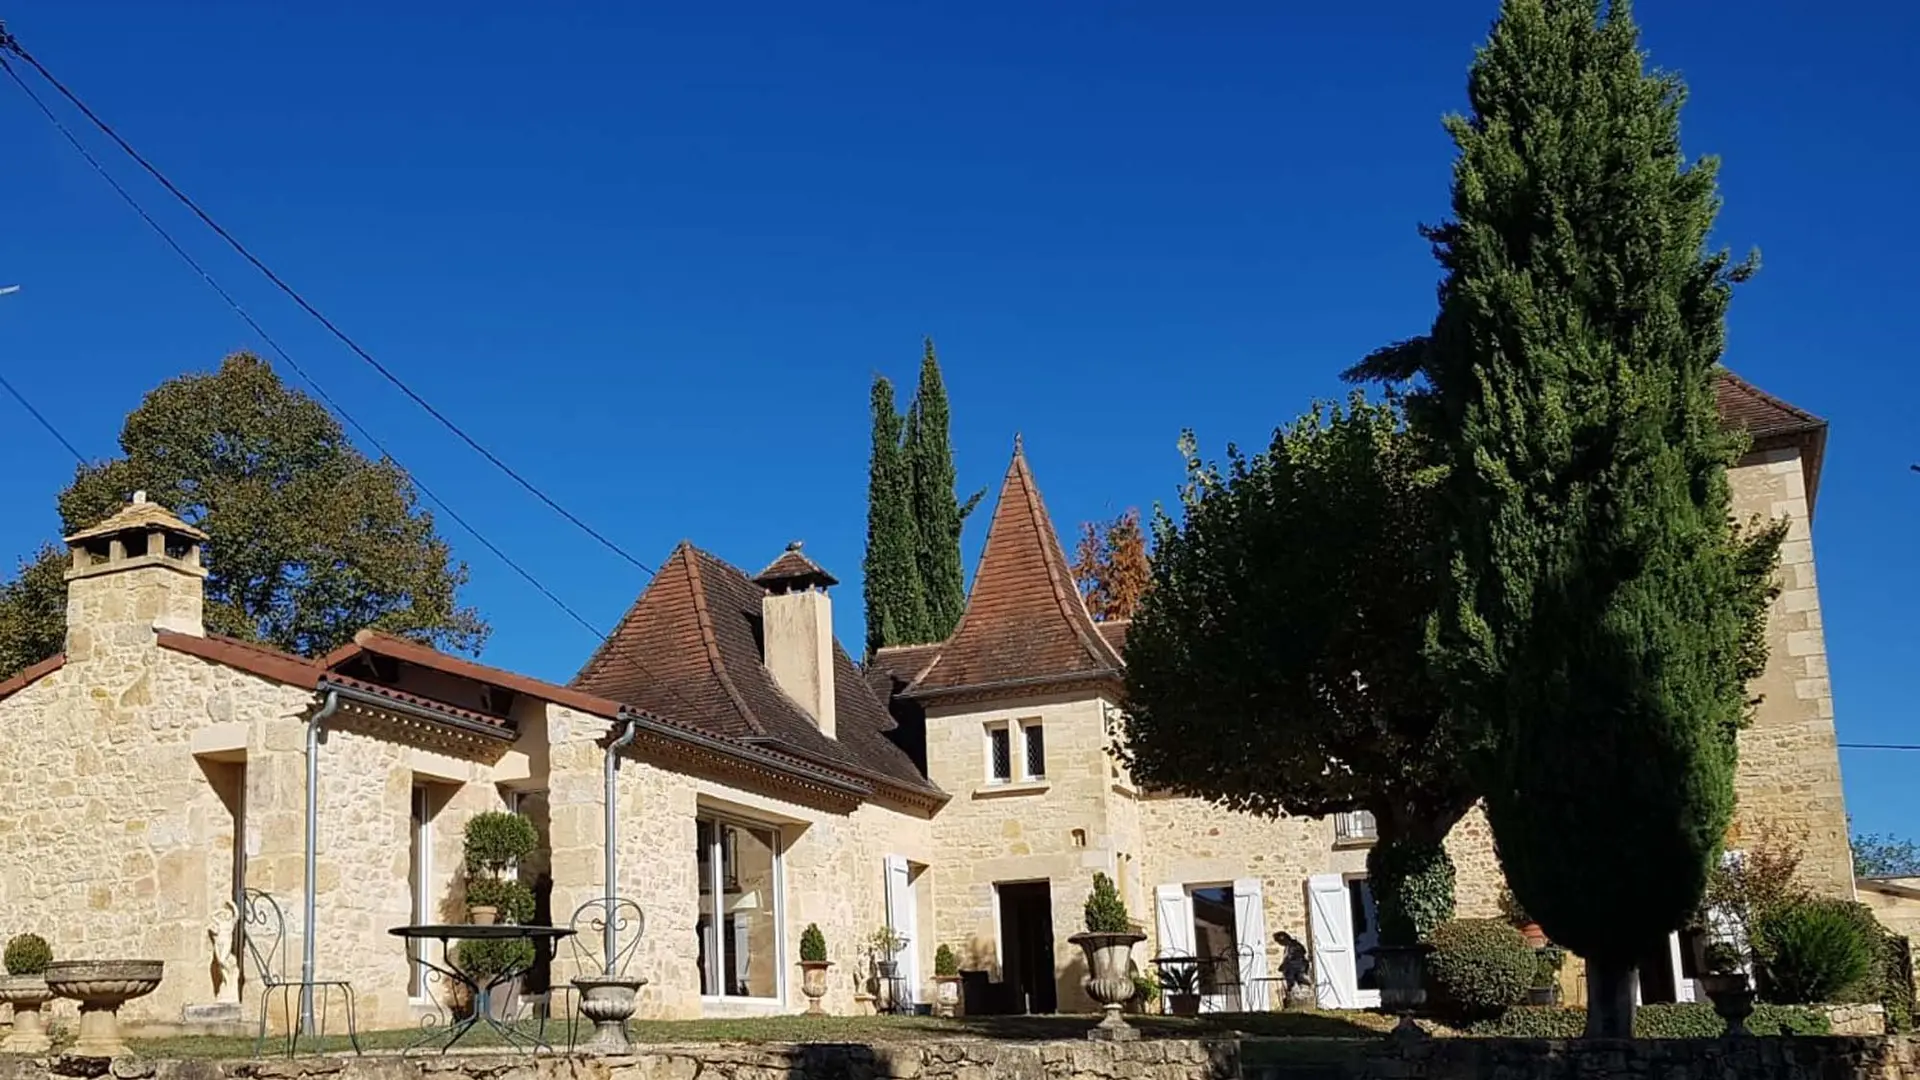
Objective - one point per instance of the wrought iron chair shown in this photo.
(263, 929)
(590, 924)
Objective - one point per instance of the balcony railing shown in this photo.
(1354, 826)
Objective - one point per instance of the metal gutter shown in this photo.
(610, 933)
(742, 752)
(309, 901)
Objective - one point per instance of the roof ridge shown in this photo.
(1070, 601)
(704, 619)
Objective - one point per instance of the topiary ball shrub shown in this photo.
(28, 954)
(1479, 967)
(813, 945)
(1812, 951)
(496, 840)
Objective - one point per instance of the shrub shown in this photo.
(1888, 980)
(1547, 962)
(1412, 889)
(496, 840)
(1812, 950)
(1480, 966)
(512, 897)
(1146, 989)
(1692, 1021)
(488, 959)
(813, 945)
(944, 962)
(1106, 913)
(28, 954)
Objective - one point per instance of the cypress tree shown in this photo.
(896, 611)
(1601, 617)
(937, 513)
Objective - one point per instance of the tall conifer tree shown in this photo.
(937, 512)
(896, 609)
(1601, 617)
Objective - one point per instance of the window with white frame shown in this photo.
(1016, 751)
(739, 919)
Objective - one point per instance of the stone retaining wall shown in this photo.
(1823, 1058)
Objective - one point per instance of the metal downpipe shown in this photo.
(610, 934)
(309, 901)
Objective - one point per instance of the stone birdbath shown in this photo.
(101, 987)
(607, 1000)
(26, 993)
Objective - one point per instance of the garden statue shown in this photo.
(226, 953)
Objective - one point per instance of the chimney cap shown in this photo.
(793, 570)
(138, 516)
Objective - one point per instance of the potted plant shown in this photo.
(1180, 982)
(25, 988)
(946, 979)
(1547, 961)
(1108, 942)
(883, 951)
(1724, 978)
(1519, 919)
(813, 968)
(1146, 991)
(496, 841)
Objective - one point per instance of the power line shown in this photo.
(44, 422)
(10, 43)
(319, 391)
(1878, 746)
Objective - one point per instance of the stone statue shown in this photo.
(226, 953)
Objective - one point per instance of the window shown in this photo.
(739, 923)
(1016, 751)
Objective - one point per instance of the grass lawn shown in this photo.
(850, 1029)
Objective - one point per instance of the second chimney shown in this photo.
(797, 632)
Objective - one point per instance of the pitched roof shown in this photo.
(1025, 621)
(689, 650)
(138, 514)
(1773, 423)
(793, 568)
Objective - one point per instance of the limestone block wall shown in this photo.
(1059, 830)
(1789, 776)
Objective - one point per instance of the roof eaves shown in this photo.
(412, 706)
(413, 652)
(785, 764)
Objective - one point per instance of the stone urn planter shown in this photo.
(26, 993)
(608, 1001)
(101, 987)
(1402, 970)
(1732, 998)
(946, 995)
(1109, 979)
(813, 983)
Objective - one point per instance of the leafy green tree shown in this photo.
(1603, 615)
(1884, 855)
(896, 605)
(1276, 664)
(310, 540)
(937, 511)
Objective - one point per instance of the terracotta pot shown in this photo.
(813, 983)
(1535, 936)
(1109, 978)
(483, 914)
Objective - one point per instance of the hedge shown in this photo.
(1690, 1021)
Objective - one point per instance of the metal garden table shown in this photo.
(543, 939)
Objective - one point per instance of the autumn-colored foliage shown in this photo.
(1111, 566)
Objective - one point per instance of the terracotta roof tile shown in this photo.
(31, 674)
(689, 650)
(1115, 631)
(420, 701)
(413, 652)
(1025, 620)
(258, 660)
(1774, 423)
(793, 568)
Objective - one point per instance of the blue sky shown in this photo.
(652, 254)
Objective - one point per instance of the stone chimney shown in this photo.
(797, 632)
(134, 573)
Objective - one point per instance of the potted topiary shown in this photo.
(496, 842)
(25, 988)
(1108, 943)
(946, 979)
(1727, 986)
(813, 968)
(1518, 918)
(1547, 961)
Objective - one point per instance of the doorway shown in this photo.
(1026, 944)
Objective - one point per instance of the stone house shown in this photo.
(959, 793)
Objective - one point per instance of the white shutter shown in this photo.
(1682, 986)
(1175, 910)
(1250, 931)
(1330, 926)
(900, 919)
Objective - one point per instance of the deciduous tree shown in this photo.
(1276, 665)
(1111, 566)
(1602, 616)
(310, 540)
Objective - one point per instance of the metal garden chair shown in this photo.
(263, 929)
(595, 923)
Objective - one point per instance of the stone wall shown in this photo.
(1823, 1058)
